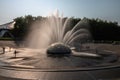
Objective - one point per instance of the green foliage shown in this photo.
(100, 29)
(104, 30)
(6, 38)
(22, 26)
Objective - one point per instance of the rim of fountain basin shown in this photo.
(59, 70)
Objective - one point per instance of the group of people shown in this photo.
(15, 52)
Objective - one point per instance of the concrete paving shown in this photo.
(27, 66)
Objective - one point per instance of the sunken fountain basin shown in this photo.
(38, 65)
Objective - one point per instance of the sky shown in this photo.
(103, 9)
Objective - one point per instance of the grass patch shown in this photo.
(6, 38)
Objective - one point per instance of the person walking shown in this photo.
(3, 50)
(15, 53)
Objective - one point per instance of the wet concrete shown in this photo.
(33, 65)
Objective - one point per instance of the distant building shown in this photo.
(9, 25)
(4, 29)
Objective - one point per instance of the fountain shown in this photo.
(50, 56)
(57, 31)
(58, 48)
